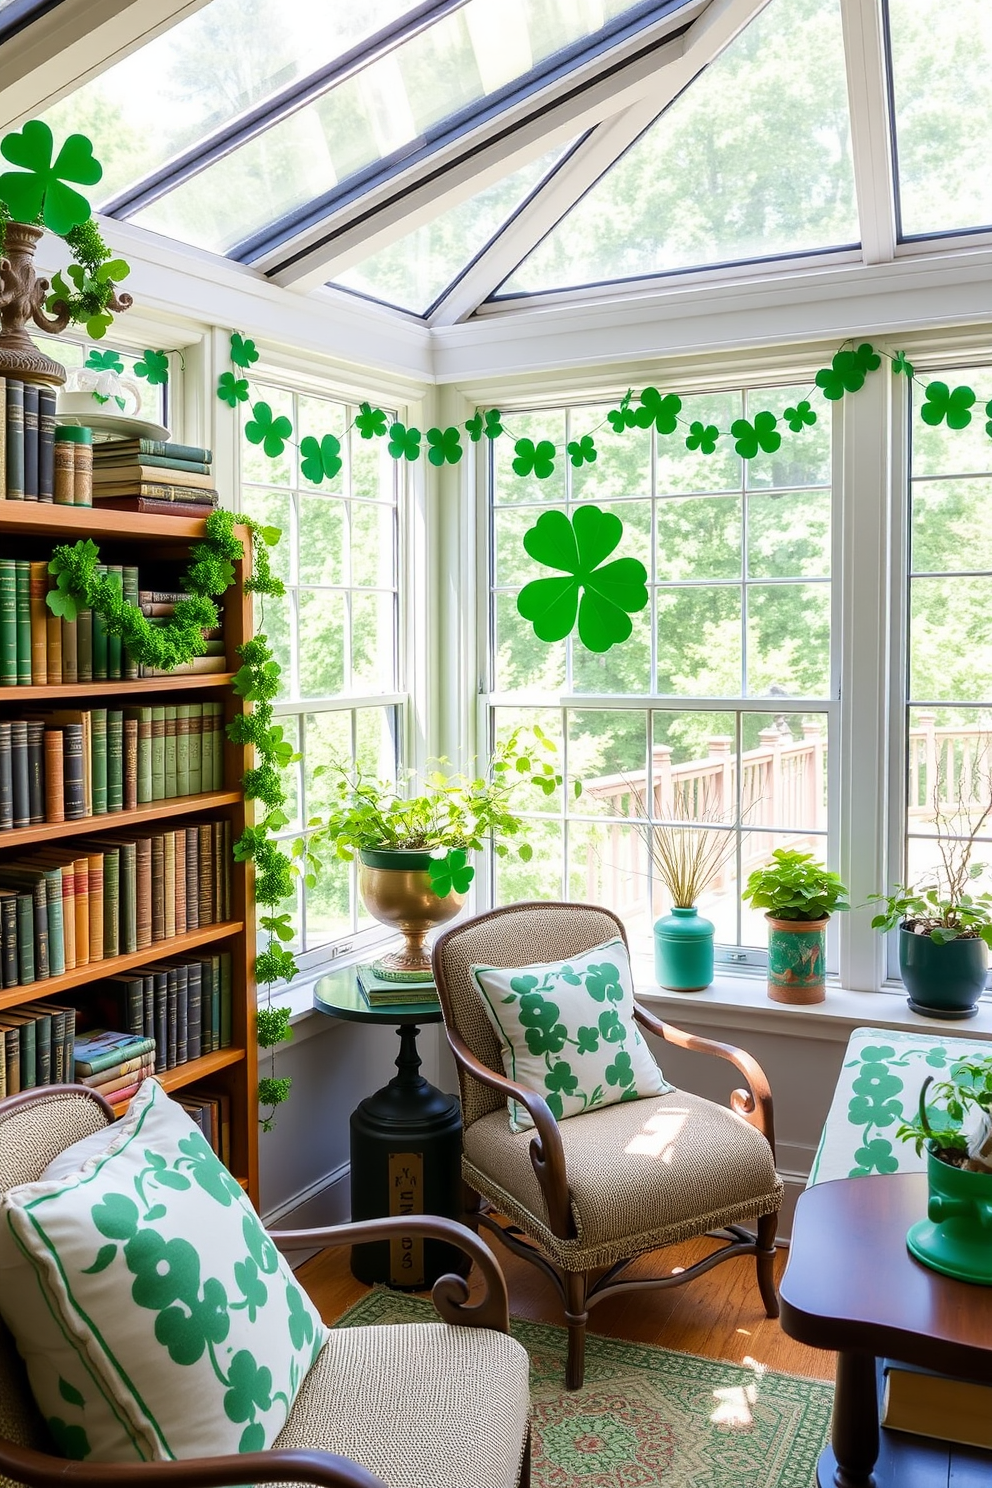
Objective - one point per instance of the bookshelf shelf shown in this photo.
(26, 696)
(194, 1069)
(114, 820)
(95, 970)
(70, 523)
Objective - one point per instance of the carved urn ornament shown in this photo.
(35, 197)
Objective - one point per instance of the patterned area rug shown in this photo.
(650, 1418)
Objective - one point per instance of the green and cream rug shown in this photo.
(650, 1418)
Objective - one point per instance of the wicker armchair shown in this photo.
(406, 1402)
(588, 1195)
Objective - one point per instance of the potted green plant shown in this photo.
(945, 930)
(413, 850)
(956, 1130)
(798, 895)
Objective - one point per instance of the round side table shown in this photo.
(406, 1144)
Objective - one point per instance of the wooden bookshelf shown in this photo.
(30, 530)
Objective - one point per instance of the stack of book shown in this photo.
(36, 1046)
(212, 1114)
(64, 764)
(183, 1003)
(27, 441)
(66, 907)
(113, 1063)
(152, 475)
(159, 605)
(380, 992)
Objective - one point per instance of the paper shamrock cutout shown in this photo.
(847, 371)
(104, 361)
(602, 597)
(751, 437)
(663, 412)
(702, 437)
(534, 459)
(243, 351)
(39, 189)
(321, 458)
(370, 421)
(988, 415)
(799, 417)
(403, 442)
(582, 451)
(943, 404)
(445, 446)
(492, 427)
(232, 390)
(154, 367)
(270, 432)
(453, 871)
(623, 417)
(901, 363)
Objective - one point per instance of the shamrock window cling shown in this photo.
(599, 596)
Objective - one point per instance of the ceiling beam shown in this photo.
(715, 29)
(67, 46)
(871, 138)
(515, 136)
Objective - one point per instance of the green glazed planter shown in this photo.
(683, 951)
(797, 958)
(943, 981)
(956, 1236)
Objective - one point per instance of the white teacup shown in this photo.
(85, 386)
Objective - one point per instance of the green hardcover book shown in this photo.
(129, 577)
(25, 939)
(29, 1072)
(98, 748)
(22, 575)
(171, 777)
(8, 623)
(115, 759)
(182, 749)
(158, 752)
(111, 901)
(114, 651)
(128, 894)
(56, 930)
(196, 749)
(143, 719)
(215, 1000)
(58, 1015)
(217, 739)
(99, 640)
(84, 646)
(42, 1041)
(226, 999)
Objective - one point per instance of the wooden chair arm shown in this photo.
(547, 1155)
(449, 1293)
(295, 1465)
(755, 1103)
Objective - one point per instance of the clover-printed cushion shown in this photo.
(566, 1030)
(155, 1316)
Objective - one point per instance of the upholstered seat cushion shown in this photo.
(421, 1405)
(641, 1174)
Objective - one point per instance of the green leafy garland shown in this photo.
(210, 574)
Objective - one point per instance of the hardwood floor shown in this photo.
(718, 1315)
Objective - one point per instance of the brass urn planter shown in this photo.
(395, 885)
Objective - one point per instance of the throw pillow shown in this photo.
(155, 1316)
(567, 1030)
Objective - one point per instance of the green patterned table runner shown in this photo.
(878, 1088)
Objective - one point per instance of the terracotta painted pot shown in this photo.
(797, 960)
(396, 889)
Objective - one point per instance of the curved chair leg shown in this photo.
(471, 1204)
(765, 1260)
(576, 1316)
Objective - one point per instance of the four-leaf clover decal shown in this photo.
(268, 431)
(403, 442)
(663, 412)
(444, 446)
(942, 403)
(534, 459)
(320, 458)
(761, 434)
(602, 596)
(582, 451)
(453, 871)
(39, 189)
(847, 371)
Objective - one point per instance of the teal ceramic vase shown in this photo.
(797, 959)
(683, 951)
(956, 1236)
(943, 981)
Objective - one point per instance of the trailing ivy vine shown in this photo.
(209, 576)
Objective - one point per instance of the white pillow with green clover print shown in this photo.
(154, 1315)
(566, 1030)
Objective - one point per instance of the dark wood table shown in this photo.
(851, 1285)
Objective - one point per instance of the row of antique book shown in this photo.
(64, 907)
(167, 1013)
(27, 441)
(65, 764)
(38, 648)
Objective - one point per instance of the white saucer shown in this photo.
(118, 424)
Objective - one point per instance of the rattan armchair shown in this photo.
(355, 1404)
(586, 1196)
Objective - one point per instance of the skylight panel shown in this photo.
(413, 272)
(380, 114)
(941, 60)
(751, 161)
(206, 71)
